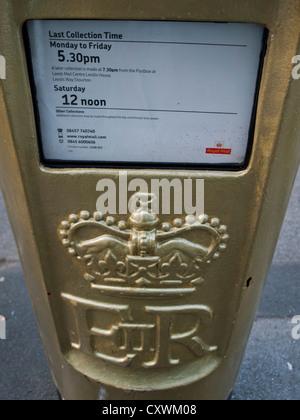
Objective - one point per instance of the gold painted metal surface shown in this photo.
(150, 276)
(208, 322)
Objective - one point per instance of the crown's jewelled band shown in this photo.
(142, 257)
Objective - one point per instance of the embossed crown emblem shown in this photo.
(141, 256)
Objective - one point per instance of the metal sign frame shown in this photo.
(142, 165)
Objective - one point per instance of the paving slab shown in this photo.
(271, 366)
(24, 371)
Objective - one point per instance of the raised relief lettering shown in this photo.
(155, 270)
(150, 344)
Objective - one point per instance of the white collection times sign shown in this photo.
(152, 92)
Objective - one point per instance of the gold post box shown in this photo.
(147, 155)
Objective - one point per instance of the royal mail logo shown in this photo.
(216, 151)
(147, 273)
(219, 149)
